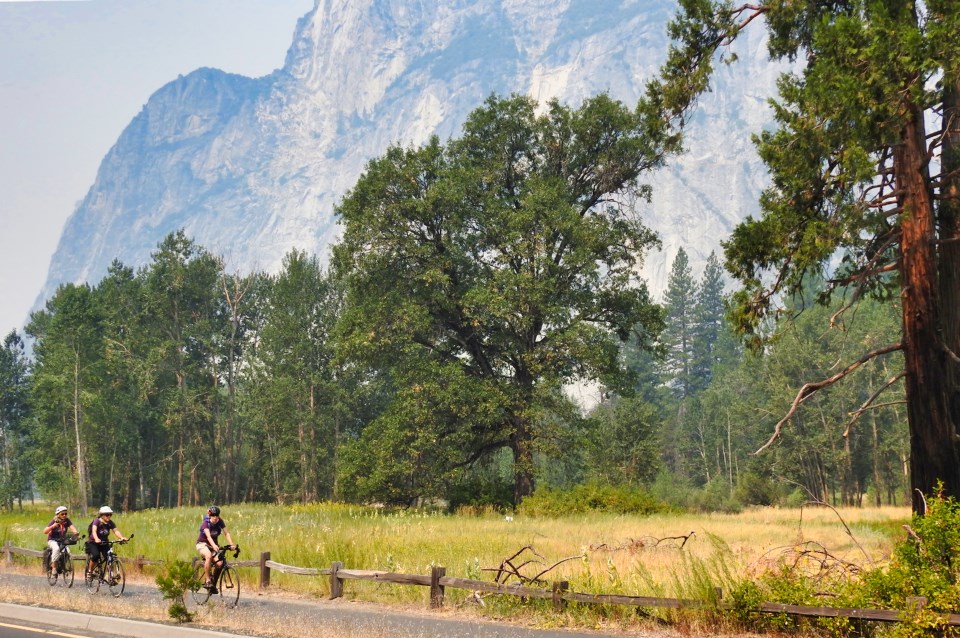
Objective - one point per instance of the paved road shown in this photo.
(11, 628)
(340, 616)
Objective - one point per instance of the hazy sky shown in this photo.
(73, 73)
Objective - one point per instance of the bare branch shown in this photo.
(856, 414)
(809, 389)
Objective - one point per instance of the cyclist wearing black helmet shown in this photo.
(207, 544)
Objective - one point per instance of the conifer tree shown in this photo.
(680, 331)
(852, 175)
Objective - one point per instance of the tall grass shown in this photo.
(614, 553)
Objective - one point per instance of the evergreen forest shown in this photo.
(482, 282)
(182, 384)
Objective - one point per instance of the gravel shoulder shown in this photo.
(265, 615)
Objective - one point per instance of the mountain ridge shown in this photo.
(252, 168)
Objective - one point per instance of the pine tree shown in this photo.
(709, 324)
(851, 176)
(680, 331)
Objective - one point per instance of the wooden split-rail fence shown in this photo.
(559, 591)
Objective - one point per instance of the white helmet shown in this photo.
(60, 509)
(106, 510)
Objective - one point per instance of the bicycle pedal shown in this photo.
(230, 586)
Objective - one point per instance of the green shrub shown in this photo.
(590, 497)
(174, 582)
(925, 564)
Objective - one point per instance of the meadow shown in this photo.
(673, 555)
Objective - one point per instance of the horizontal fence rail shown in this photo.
(559, 592)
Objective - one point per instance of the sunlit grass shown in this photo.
(615, 554)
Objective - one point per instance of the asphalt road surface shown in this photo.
(15, 628)
(337, 617)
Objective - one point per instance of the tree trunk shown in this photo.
(81, 457)
(948, 222)
(933, 451)
(521, 444)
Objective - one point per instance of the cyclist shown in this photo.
(210, 530)
(98, 532)
(56, 533)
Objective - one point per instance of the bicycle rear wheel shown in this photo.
(115, 577)
(93, 577)
(229, 586)
(200, 593)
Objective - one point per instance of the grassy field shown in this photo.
(613, 554)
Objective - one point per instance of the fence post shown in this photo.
(559, 589)
(264, 570)
(8, 552)
(436, 589)
(336, 583)
(138, 563)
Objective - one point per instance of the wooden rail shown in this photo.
(559, 592)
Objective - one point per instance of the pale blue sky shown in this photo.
(73, 73)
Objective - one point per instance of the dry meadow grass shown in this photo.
(608, 554)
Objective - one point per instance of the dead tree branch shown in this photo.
(645, 542)
(809, 389)
(856, 414)
(507, 567)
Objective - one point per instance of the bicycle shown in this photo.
(62, 569)
(223, 576)
(108, 570)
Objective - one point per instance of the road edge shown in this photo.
(106, 625)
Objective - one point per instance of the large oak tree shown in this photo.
(489, 271)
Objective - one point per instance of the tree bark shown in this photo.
(521, 444)
(948, 225)
(933, 451)
(81, 457)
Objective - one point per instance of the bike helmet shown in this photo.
(60, 509)
(106, 510)
(213, 511)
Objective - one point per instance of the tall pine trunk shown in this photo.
(948, 221)
(933, 449)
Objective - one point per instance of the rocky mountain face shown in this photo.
(252, 168)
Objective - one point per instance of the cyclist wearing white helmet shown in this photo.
(56, 533)
(98, 532)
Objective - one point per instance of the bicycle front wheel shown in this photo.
(229, 586)
(115, 578)
(52, 573)
(66, 578)
(200, 593)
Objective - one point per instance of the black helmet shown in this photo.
(213, 511)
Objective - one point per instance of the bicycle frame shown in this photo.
(223, 576)
(62, 569)
(108, 569)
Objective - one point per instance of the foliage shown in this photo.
(174, 583)
(15, 470)
(623, 448)
(487, 272)
(925, 563)
(590, 497)
(679, 334)
(851, 181)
